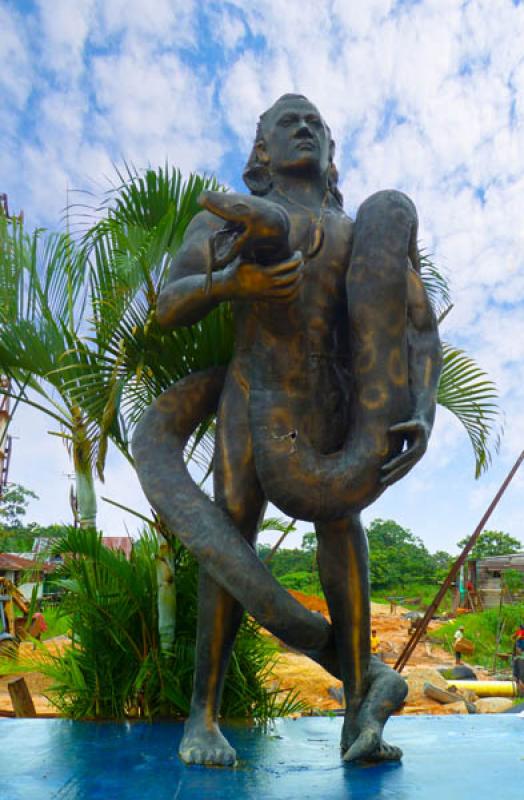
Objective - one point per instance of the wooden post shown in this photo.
(21, 699)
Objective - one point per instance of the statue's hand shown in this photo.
(279, 282)
(416, 435)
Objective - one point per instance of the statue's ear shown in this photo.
(256, 173)
(261, 152)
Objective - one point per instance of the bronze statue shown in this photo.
(329, 399)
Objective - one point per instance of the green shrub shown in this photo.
(115, 667)
(306, 582)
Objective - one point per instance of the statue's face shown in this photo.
(296, 138)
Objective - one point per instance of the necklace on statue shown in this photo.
(316, 229)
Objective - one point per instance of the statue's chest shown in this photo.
(326, 248)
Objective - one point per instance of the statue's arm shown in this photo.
(185, 298)
(424, 366)
(188, 295)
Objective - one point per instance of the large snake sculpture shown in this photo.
(395, 368)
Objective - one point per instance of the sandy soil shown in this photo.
(37, 683)
(313, 684)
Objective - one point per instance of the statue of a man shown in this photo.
(328, 399)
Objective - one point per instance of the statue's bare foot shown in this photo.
(205, 744)
(362, 739)
(350, 730)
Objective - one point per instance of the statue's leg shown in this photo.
(372, 689)
(237, 492)
(343, 566)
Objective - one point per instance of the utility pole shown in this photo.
(6, 442)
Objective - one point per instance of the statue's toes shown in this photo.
(224, 756)
(363, 747)
(388, 752)
(370, 747)
(191, 755)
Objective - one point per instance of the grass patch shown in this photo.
(425, 591)
(481, 628)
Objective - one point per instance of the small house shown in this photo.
(24, 572)
(486, 575)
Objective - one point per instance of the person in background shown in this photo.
(457, 638)
(38, 626)
(518, 659)
(519, 640)
(374, 642)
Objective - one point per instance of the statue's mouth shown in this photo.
(306, 144)
(224, 243)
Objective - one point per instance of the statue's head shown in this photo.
(291, 138)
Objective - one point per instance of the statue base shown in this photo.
(449, 756)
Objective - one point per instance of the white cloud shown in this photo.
(16, 72)
(63, 31)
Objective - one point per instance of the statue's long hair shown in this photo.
(257, 173)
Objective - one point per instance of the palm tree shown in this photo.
(129, 250)
(42, 302)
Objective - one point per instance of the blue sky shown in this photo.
(426, 97)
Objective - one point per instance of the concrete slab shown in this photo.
(448, 758)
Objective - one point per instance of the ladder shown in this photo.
(475, 600)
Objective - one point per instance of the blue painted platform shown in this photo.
(449, 758)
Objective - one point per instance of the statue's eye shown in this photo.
(240, 207)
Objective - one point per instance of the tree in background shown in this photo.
(13, 506)
(442, 562)
(397, 557)
(493, 543)
(15, 535)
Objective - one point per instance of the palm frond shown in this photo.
(436, 284)
(469, 394)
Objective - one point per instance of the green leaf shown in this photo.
(469, 394)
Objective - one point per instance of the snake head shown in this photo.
(255, 228)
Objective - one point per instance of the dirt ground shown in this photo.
(314, 684)
(293, 671)
(37, 683)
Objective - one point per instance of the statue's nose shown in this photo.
(303, 130)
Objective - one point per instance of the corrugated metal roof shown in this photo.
(16, 563)
(123, 543)
(498, 562)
